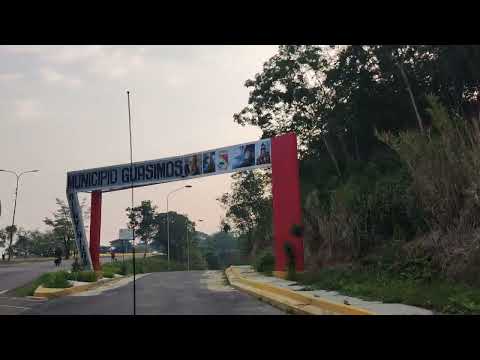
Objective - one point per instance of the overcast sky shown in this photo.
(64, 108)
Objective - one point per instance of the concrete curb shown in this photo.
(51, 293)
(289, 300)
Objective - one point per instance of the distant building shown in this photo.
(121, 245)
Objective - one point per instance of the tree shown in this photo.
(142, 221)
(249, 209)
(289, 94)
(3, 237)
(334, 98)
(337, 100)
(10, 230)
(62, 225)
(151, 227)
(23, 245)
(225, 247)
(179, 226)
(36, 243)
(44, 243)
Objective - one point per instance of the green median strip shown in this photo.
(61, 279)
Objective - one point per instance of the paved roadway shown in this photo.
(166, 293)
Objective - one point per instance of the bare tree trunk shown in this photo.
(67, 248)
(357, 151)
(412, 99)
(344, 147)
(332, 156)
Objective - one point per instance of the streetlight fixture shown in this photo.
(188, 242)
(188, 248)
(15, 205)
(168, 223)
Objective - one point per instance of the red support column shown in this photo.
(286, 200)
(95, 225)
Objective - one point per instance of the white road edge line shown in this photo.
(16, 307)
(3, 291)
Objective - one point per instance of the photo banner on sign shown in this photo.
(234, 158)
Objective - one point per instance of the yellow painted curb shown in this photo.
(280, 274)
(291, 300)
(283, 274)
(51, 293)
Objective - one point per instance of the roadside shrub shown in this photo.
(76, 266)
(139, 268)
(108, 274)
(123, 269)
(57, 279)
(265, 262)
(84, 276)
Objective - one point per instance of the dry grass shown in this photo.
(444, 172)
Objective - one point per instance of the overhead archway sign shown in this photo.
(279, 153)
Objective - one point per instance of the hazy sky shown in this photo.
(64, 108)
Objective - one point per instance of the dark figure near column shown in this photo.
(58, 257)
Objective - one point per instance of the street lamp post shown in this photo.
(168, 224)
(15, 206)
(188, 244)
(188, 248)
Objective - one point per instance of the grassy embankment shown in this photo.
(441, 296)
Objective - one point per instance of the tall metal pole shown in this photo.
(14, 206)
(188, 246)
(168, 223)
(13, 219)
(168, 238)
(133, 228)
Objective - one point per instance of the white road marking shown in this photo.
(108, 286)
(27, 298)
(16, 307)
(3, 291)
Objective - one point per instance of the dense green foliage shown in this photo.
(108, 273)
(59, 237)
(389, 144)
(62, 226)
(222, 250)
(83, 276)
(384, 285)
(249, 210)
(57, 279)
(265, 262)
(151, 228)
(146, 265)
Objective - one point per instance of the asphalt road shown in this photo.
(17, 274)
(166, 293)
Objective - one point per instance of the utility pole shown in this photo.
(12, 228)
(188, 245)
(133, 227)
(168, 223)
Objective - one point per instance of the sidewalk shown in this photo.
(263, 285)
